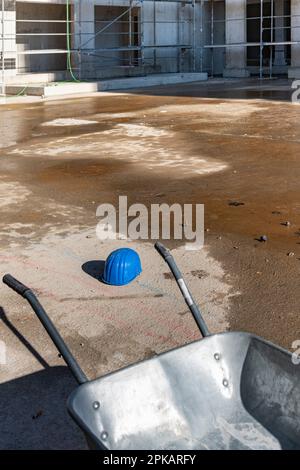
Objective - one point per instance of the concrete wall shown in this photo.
(116, 36)
(294, 71)
(236, 33)
(161, 24)
(43, 39)
(165, 32)
(213, 33)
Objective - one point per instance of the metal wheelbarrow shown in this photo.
(226, 391)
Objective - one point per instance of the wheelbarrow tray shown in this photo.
(227, 391)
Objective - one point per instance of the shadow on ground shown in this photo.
(33, 412)
(94, 268)
(275, 89)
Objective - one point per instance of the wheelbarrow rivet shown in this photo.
(96, 405)
(104, 435)
(217, 356)
(225, 383)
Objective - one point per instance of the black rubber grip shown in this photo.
(14, 284)
(162, 250)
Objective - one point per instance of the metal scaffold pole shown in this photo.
(80, 40)
(142, 34)
(201, 34)
(272, 38)
(261, 39)
(3, 49)
(154, 33)
(130, 32)
(194, 35)
(212, 37)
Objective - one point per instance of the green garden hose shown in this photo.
(69, 63)
(22, 92)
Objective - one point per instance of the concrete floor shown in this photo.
(210, 143)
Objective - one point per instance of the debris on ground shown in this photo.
(37, 415)
(199, 273)
(168, 276)
(236, 203)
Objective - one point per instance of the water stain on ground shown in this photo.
(104, 354)
(211, 144)
(199, 273)
(169, 276)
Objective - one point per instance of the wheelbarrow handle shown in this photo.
(15, 285)
(27, 293)
(162, 250)
(194, 309)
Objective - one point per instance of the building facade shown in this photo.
(105, 38)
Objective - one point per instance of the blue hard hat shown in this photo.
(121, 267)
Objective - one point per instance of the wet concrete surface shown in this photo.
(220, 144)
(180, 148)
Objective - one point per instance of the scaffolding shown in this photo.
(199, 26)
(139, 25)
(267, 24)
(131, 54)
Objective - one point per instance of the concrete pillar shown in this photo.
(198, 37)
(236, 33)
(294, 70)
(84, 35)
(186, 32)
(280, 34)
